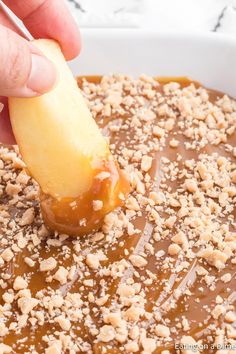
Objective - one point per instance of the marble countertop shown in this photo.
(177, 15)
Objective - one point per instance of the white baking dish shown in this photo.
(209, 58)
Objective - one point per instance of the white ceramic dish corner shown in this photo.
(209, 58)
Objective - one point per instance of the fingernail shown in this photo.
(43, 74)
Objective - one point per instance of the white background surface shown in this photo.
(205, 56)
(209, 58)
(178, 15)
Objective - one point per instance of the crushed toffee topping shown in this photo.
(159, 276)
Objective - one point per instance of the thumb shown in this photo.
(24, 71)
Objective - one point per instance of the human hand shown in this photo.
(24, 71)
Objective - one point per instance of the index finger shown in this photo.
(49, 19)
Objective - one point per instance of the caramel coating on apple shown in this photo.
(84, 214)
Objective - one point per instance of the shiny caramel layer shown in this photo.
(159, 275)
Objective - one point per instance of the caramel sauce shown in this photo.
(166, 283)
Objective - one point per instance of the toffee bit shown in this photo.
(138, 261)
(47, 264)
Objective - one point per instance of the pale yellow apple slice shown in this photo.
(66, 153)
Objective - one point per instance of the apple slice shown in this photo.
(66, 153)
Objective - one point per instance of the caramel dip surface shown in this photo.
(159, 277)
